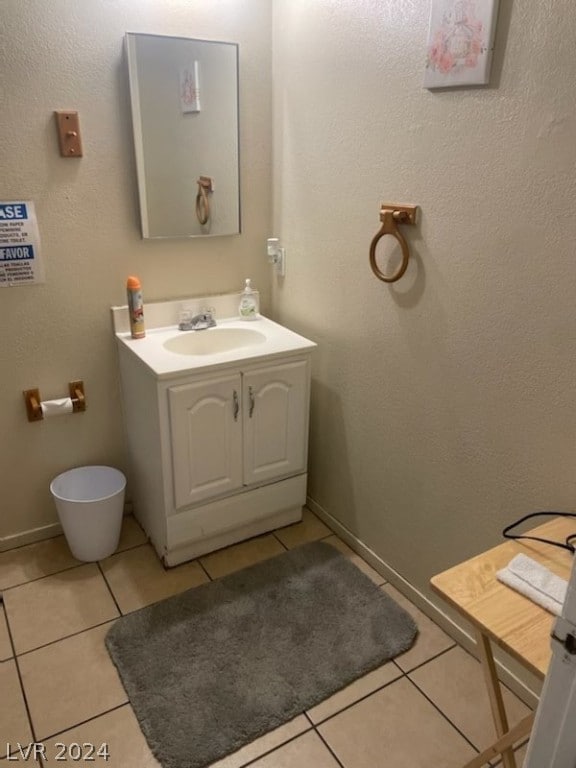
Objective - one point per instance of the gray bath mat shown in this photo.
(209, 670)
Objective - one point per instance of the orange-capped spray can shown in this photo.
(135, 307)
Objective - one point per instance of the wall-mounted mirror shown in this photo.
(184, 96)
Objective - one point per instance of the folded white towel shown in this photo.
(535, 582)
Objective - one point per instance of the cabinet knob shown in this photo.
(251, 401)
(235, 405)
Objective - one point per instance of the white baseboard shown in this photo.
(30, 537)
(39, 534)
(522, 686)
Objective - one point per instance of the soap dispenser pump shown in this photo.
(248, 309)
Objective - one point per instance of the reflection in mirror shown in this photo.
(184, 96)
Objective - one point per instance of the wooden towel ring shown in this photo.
(390, 217)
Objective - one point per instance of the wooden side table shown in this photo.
(503, 616)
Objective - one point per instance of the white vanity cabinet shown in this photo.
(275, 421)
(206, 438)
(217, 441)
(238, 430)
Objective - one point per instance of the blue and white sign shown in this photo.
(20, 262)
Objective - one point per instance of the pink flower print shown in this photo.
(457, 42)
(446, 63)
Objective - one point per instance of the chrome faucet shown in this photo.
(198, 322)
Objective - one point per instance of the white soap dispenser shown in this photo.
(248, 309)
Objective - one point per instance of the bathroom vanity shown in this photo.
(217, 426)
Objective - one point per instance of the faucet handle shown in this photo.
(189, 321)
(205, 319)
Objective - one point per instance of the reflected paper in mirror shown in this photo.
(184, 96)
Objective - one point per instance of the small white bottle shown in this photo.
(248, 309)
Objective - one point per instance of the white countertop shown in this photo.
(166, 364)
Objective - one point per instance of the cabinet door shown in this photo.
(275, 421)
(206, 439)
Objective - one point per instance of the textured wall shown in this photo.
(69, 55)
(444, 406)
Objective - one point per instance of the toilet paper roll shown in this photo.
(56, 407)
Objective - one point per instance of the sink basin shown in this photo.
(213, 340)
(169, 353)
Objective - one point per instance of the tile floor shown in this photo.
(425, 709)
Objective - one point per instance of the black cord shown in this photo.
(569, 539)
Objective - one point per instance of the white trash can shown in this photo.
(90, 504)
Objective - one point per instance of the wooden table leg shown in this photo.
(495, 696)
(521, 729)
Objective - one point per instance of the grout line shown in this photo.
(10, 641)
(201, 564)
(110, 589)
(398, 667)
(328, 747)
(19, 673)
(62, 570)
(280, 541)
(444, 715)
(128, 549)
(253, 760)
(66, 637)
(432, 658)
(307, 716)
(267, 752)
(401, 674)
(88, 720)
(44, 576)
(501, 683)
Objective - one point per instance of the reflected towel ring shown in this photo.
(391, 216)
(202, 201)
(202, 205)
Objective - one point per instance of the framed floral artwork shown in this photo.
(460, 42)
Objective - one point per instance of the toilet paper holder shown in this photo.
(33, 400)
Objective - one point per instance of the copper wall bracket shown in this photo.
(69, 138)
(32, 400)
(391, 215)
